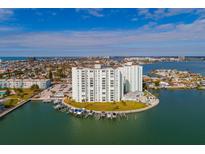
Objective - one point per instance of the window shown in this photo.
(111, 83)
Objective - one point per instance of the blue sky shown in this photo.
(99, 32)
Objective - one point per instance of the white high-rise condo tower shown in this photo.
(105, 84)
(96, 84)
(132, 76)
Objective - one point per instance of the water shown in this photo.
(178, 119)
(194, 66)
(2, 92)
(13, 58)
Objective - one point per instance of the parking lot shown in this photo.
(56, 91)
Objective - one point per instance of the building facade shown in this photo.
(105, 84)
(132, 77)
(96, 84)
(24, 83)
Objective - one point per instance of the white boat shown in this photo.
(70, 111)
(103, 114)
(63, 110)
(114, 115)
(109, 115)
(79, 112)
(57, 106)
(46, 101)
(90, 113)
(56, 101)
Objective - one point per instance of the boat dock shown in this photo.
(60, 105)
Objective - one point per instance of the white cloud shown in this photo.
(167, 12)
(7, 29)
(93, 12)
(147, 38)
(134, 19)
(5, 14)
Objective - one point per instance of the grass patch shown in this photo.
(10, 103)
(22, 94)
(107, 106)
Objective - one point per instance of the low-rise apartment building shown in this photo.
(24, 83)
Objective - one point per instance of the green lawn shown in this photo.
(108, 106)
(10, 103)
(22, 95)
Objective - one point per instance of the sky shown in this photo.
(102, 32)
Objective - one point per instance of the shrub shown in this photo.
(10, 103)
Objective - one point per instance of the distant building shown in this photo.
(105, 84)
(163, 84)
(24, 83)
(203, 83)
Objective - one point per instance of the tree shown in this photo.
(145, 86)
(60, 73)
(19, 92)
(10, 103)
(7, 91)
(35, 87)
(21, 95)
(157, 83)
(50, 75)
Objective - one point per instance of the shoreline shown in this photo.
(175, 89)
(155, 103)
(6, 112)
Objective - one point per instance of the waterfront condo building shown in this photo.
(96, 84)
(132, 77)
(24, 83)
(105, 84)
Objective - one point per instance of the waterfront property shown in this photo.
(131, 102)
(132, 77)
(24, 83)
(15, 98)
(164, 124)
(107, 106)
(105, 84)
(174, 79)
(56, 91)
(96, 84)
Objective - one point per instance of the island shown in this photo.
(173, 79)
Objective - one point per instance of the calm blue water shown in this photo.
(12, 58)
(194, 66)
(2, 92)
(178, 119)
